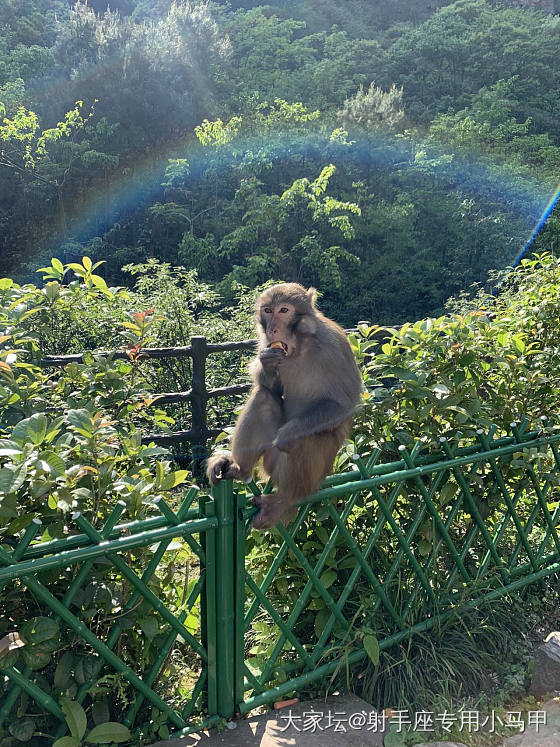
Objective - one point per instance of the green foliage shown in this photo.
(470, 45)
(210, 114)
(490, 365)
(105, 733)
(70, 441)
(375, 109)
(215, 133)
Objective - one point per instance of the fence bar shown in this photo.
(198, 402)
(32, 567)
(209, 634)
(239, 643)
(74, 541)
(62, 360)
(225, 597)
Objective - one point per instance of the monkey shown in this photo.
(306, 387)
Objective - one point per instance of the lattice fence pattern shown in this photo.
(136, 550)
(391, 548)
(401, 547)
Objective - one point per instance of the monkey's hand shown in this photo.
(270, 359)
(222, 467)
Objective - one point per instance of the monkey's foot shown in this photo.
(272, 509)
(222, 467)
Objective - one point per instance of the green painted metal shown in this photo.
(413, 542)
(225, 597)
(517, 546)
(107, 544)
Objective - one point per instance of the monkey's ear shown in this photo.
(312, 295)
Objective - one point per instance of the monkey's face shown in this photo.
(279, 322)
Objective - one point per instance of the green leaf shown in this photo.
(110, 731)
(425, 547)
(371, 645)
(86, 667)
(149, 626)
(11, 480)
(35, 658)
(447, 492)
(67, 742)
(9, 448)
(100, 711)
(77, 268)
(5, 283)
(55, 462)
(49, 646)
(52, 290)
(37, 427)
(75, 717)
(81, 420)
(321, 620)
(63, 671)
(57, 264)
(328, 578)
(8, 506)
(192, 623)
(40, 629)
(99, 282)
(174, 478)
(22, 729)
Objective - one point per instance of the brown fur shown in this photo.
(300, 408)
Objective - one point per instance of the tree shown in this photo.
(50, 163)
(154, 76)
(375, 109)
(470, 45)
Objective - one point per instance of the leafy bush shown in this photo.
(71, 443)
(70, 440)
(494, 361)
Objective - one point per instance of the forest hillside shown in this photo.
(388, 153)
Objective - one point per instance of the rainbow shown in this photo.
(538, 227)
(474, 176)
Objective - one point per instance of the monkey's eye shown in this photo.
(267, 310)
(284, 310)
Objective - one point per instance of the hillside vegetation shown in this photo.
(391, 158)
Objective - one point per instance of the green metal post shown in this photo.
(208, 608)
(225, 597)
(240, 549)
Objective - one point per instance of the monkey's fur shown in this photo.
(301, 405)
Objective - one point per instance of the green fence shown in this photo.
(390, 549)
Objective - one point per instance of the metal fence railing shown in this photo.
(391, 548)
(196, 397)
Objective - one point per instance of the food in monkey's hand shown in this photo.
(280, 346)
